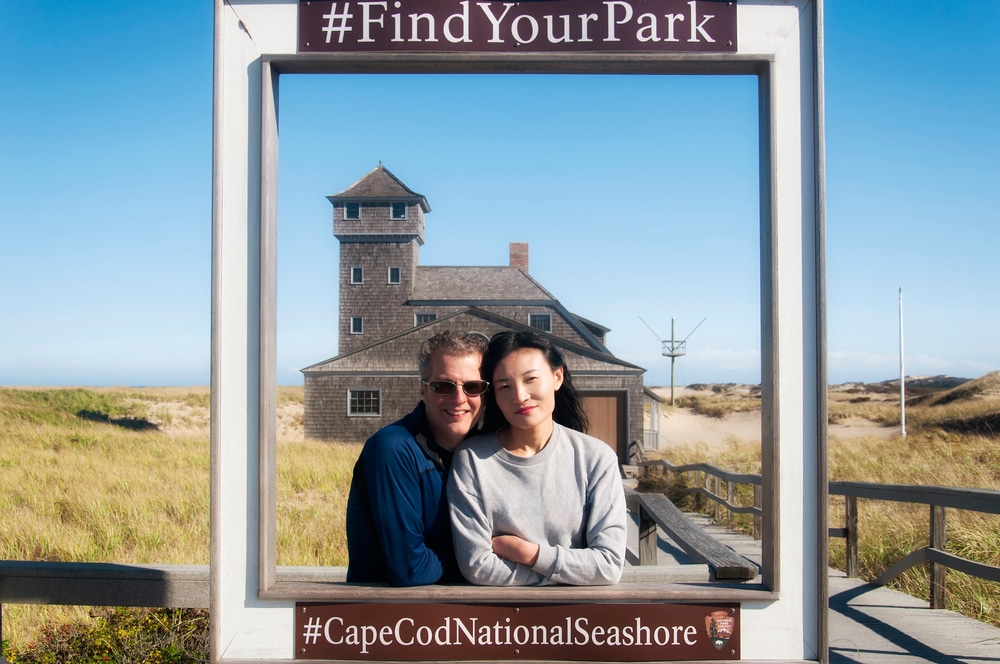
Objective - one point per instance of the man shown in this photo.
(398, 529)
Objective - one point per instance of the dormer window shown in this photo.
(541, 322)
(398, 211)
(352, 210)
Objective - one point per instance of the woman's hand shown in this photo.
(515, 549)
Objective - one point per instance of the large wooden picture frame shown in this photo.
(780, 43)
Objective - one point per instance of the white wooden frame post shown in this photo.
(779, 41)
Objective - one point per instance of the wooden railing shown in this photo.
(187, 586)
(706, 481)
(655, 511)
(938, 498)
(710, 483)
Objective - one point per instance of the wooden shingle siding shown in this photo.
(481, 299)
(326, 398)
(377, 301)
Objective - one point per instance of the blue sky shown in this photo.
(637, 195)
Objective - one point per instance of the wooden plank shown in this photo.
(986, 501)
(914, 558)
(725, 563)
(939, 573)
(878, 625)
(104, 584)
(964, 565)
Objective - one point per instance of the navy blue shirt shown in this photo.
(398, 530)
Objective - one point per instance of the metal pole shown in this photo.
(902, 373)
(673, 358)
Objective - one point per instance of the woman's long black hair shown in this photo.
(568, 408)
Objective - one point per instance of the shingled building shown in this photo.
(389, 304)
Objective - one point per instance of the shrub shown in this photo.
(122, 636)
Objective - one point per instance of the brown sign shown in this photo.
(561, 632)
(529, 25)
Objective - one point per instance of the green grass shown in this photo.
(121, 635)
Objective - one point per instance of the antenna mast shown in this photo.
(673, 348)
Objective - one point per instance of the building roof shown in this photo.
(477, 284)
(503, 285)
(373, 360)
(380, 184)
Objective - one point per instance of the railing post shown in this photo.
(717, 492)
(648, 543)
(757, 521)
(938, 572)
(730, 496)
(851, 516)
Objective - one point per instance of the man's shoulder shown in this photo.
(393, 435)
(410, 423)
(400, 436)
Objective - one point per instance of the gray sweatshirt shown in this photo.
(568, 499)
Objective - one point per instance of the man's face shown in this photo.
(451, 416)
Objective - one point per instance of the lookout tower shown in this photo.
(379, 222)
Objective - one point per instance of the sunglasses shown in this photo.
(472, 388)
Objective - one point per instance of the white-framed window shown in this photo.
(364, 403)
(357, 325)
(541, 322)
(357, 275)
(398, 210)
(395, 275)
(352, 210)
(420, 319)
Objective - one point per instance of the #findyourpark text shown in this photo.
(554, 25)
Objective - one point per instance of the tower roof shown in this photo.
(380, 184)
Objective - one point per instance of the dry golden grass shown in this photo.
(122, 475)
(952, 441)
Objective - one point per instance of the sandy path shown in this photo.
(681, 426)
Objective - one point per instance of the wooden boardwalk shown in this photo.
(877, 625)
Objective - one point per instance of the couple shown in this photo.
(528, 500)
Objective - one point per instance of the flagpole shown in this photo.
(902, 373)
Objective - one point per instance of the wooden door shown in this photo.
(606, 413)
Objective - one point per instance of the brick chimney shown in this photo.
(519, 255)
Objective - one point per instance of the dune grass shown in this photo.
(945, 446)
(122, 475)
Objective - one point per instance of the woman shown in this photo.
(537, 501)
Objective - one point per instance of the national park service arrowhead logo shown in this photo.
(720, 626)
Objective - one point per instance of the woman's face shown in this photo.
(525, 388)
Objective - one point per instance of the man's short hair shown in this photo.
(453, 343)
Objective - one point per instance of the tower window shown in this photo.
(357, 275)
(352, 210)
(399, 210)
(394, 275)
(541, 322)
(357, 325)
(364, 402)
